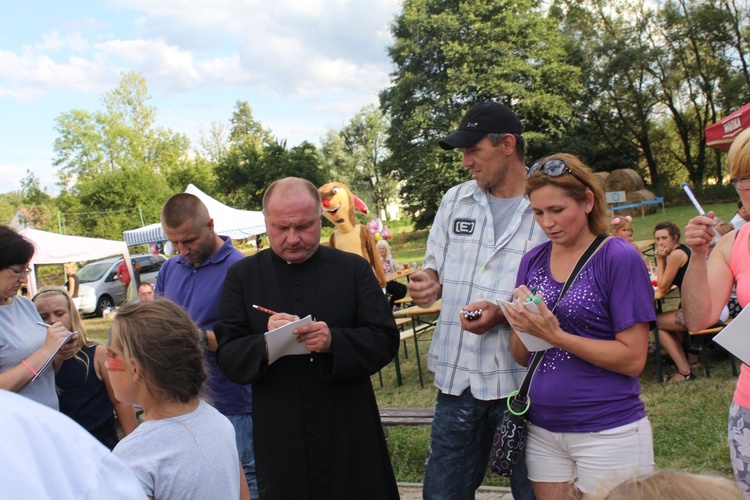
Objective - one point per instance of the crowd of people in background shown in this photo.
(227, 413)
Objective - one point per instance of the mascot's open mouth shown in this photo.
(333, 210)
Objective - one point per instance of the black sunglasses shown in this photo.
(553, 168)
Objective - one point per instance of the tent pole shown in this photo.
(59, 223)
(143, 224)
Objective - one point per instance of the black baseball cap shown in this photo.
(484, 118)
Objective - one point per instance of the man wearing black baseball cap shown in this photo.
(485, 118)
(481, 230)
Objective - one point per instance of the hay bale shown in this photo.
(602, 178)
(624, 179)
(637, 197)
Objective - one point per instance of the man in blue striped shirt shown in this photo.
(482, 229)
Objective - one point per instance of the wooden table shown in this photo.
(647, 248)
(400, 274)
(419, 327)
(644, 245)
(416, 311)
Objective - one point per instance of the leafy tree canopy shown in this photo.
(451, 55)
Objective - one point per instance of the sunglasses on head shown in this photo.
(553, 168)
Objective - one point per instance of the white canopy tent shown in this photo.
(228, 221)
(53, 248)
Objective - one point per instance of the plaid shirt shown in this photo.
(474, 265)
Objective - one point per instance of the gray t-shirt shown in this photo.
(502, 212)
(190, 456)
(20, 337)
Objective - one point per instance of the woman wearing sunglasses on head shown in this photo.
(25, 346)
(586, 420)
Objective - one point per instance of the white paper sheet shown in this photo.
(52, 356)
(282, 342)
(735, 338)
(531, 342)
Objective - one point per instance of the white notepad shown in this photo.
(531, 342)
(735, 338)
(282, 342)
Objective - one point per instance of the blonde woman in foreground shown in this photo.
(672, 484)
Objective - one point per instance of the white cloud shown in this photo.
(29, 73)
(286, 48)
(54, 42)
(305, 67)
(299, 48)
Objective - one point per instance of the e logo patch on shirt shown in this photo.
(463, 226)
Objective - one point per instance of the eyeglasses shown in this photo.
(19, 273)
(553, 168)
(741, 183)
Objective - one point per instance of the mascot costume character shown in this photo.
(338, 207)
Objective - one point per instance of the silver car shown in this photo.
(100, 289)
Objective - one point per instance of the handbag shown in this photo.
(509, 440)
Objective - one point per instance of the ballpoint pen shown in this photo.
(691, 196)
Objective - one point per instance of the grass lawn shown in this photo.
(689, 419)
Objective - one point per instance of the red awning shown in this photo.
(721, 134)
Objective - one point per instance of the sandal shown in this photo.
(686, 377)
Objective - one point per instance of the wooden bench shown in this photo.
(406, 416)
(405, 300)
(402, 321)
(409, 332)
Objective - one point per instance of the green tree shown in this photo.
(254, 159)
(38, 203)
(451, 55)
(116, 160)
(611, 46)
(358, 157)
(657, 74)
(690, 69)
(9, 203)
(238, 172)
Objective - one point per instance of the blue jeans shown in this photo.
(460, 443)
(243, 430)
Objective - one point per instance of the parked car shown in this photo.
(100, 289)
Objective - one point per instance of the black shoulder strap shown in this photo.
(582, 260)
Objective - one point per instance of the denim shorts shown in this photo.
(589, 459)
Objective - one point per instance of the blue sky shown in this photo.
(304, 66)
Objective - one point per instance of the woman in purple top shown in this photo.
(587, 423)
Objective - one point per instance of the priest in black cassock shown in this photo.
(317, 430)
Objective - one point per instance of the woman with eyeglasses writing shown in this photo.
(708, 285)
(25, 346)
(586, 420)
